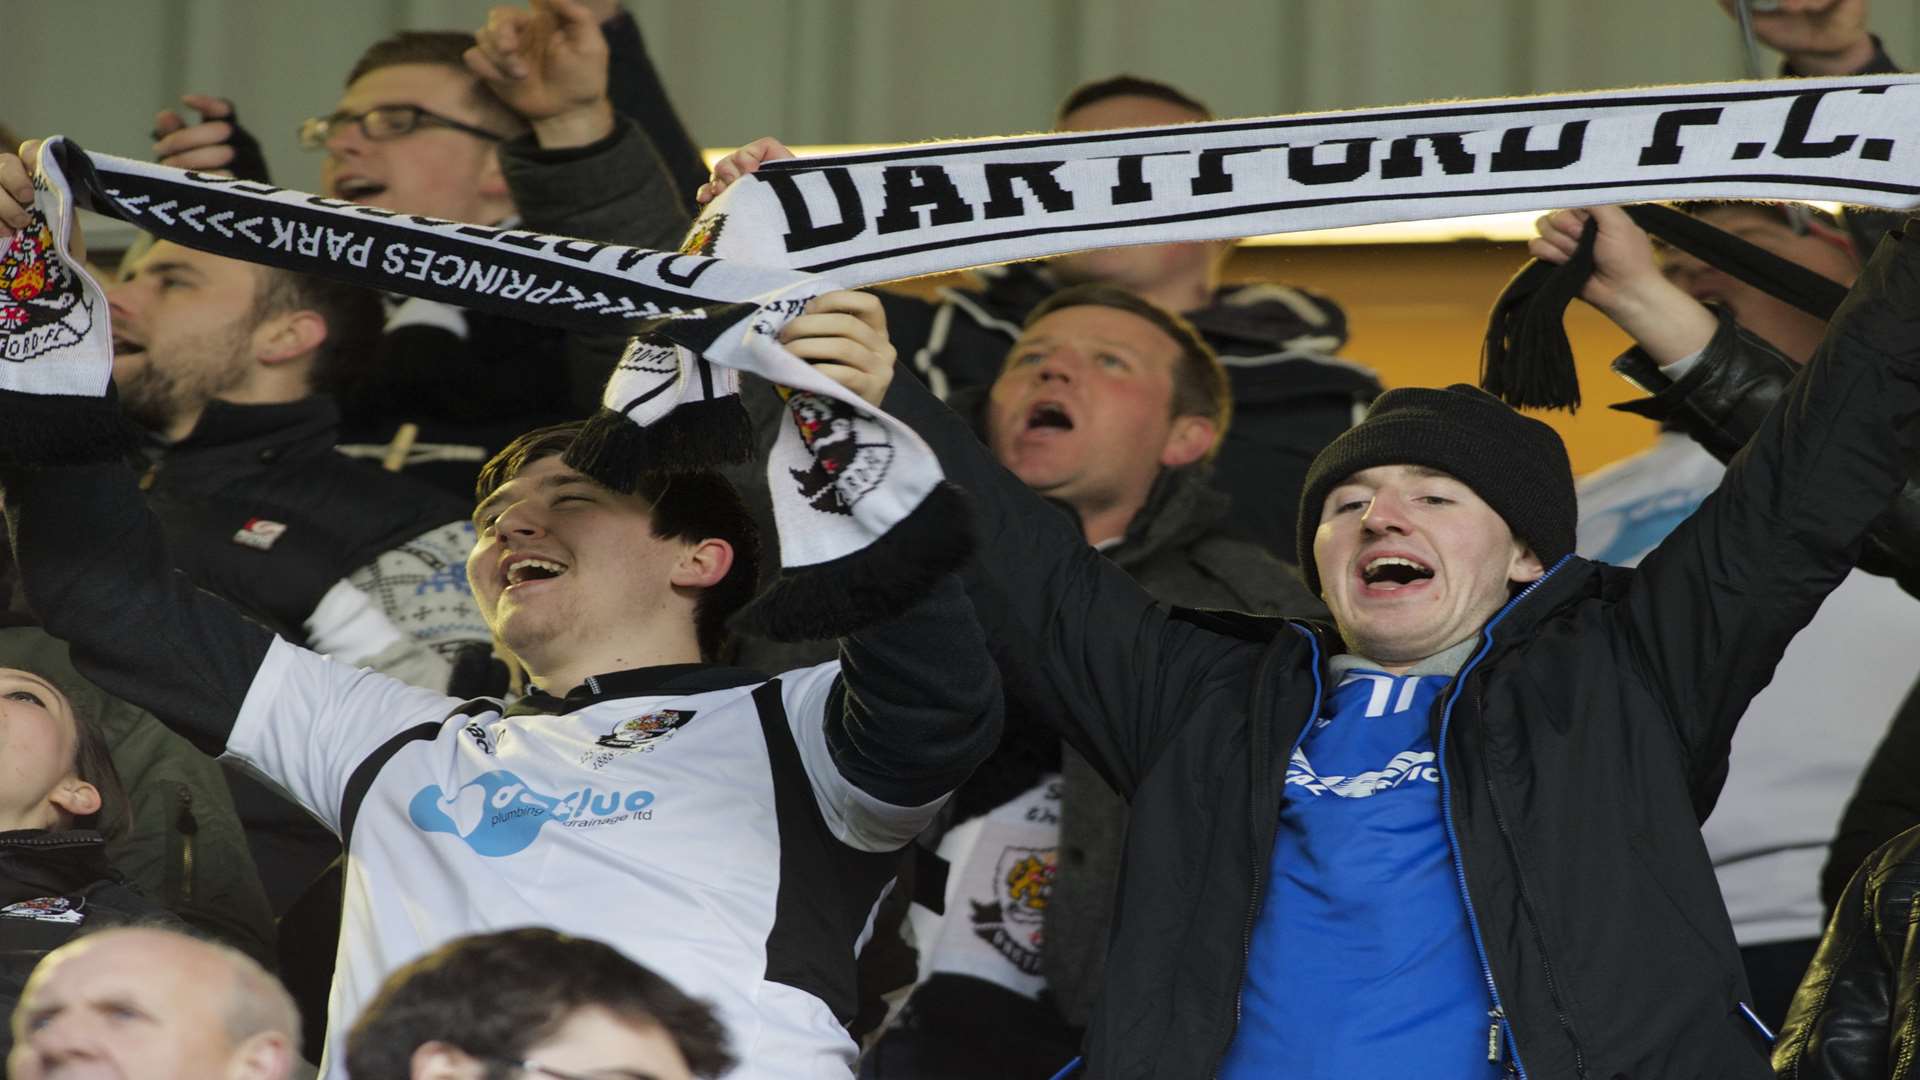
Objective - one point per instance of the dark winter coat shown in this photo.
(1579, 747)
(54, 885)
(183, 846)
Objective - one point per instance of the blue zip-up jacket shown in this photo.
(1580, 746)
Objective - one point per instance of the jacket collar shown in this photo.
(1181, 507)
(41, 862)
(661, 680)
(225, 424)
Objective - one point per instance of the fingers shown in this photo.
(832, 325)
(16, 195)
(186, 140)
(861, 305)
(166, 122)
(1547, 251)
(208, 106)
(570, 15)
(740, 163)
(500, 44)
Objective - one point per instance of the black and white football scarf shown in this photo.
(865, 518)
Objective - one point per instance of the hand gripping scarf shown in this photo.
(865, 519)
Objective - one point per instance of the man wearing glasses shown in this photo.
(536, 1004)
(509, 126)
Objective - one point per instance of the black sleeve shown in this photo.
(94, 566)
(1723, 400)
(1885, 804)
(1716, 603)
(633, 85)
(1066, 626)
(616, 191)
(918, 705)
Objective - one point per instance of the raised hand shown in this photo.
(16, 199)
(1627, 285)
(548, 62)
(738, 164)
(203, 145)
(844, 336)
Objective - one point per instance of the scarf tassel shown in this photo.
(878, 582)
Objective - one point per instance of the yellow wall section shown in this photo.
(1417, 313)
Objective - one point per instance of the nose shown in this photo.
(522, 520)
(120, 299)
(1384, 515)
(61, 1038)
(1061, 365)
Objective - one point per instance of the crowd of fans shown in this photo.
(1282, 725)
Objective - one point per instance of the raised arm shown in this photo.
(1713, 606)
(1065, 626)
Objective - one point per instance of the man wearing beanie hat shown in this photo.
(1458, 830)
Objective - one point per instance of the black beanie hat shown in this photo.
(1515, 463)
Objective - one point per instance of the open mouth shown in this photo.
(522, 571)
(1390, 572)
(357, 189)
(124, 347)
(1048, 415)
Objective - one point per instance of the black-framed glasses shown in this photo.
(534, 1068)
(383, 122)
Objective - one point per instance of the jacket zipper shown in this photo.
(1259, 862)
(1501, 1024)
(1533, 924)
(188, 826)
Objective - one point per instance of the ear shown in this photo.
(1526, 566)
(703, 564)
(287, 336)
(75, 797)
(442, 1061)
(1188, 441)
(264, 1056)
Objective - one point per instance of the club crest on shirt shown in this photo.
(43, 304)
(645, 728)
(851, 452)
(54, 909)
(1011, 922)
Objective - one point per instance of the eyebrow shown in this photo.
(545, 483)
(169, 266)
(1132, 352)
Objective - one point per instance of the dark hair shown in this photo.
(93, 762)
(693, 505)
(1127, 86)
(446, 48)
(1199, 380)
(354, 318)
(1776, 212)
(497, 995)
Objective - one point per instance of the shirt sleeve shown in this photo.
(308, 722)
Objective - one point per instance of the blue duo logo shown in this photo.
(497, 813)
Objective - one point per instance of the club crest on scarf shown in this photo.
(851, 453)
(42, 306)
(704, 235)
